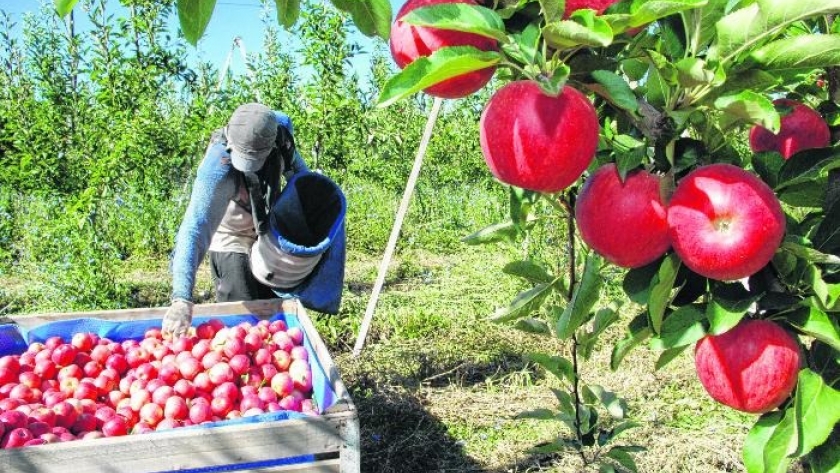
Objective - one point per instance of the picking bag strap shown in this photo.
(258, 206)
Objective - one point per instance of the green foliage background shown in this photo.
(102, 130)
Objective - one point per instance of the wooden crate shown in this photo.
(326, 443)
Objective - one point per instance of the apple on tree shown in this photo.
(535, 141)
(598, 5)
(724, 222)
(802, 128)
(409, 42)
(625, 222)
(752, 367)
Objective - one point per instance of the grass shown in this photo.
(438, 387)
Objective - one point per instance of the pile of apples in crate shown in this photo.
(92, 387)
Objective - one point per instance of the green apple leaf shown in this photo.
(692, 71)
(524, 304)
(827, 236)
(524, 46)
(623, 458)
(618, 91)
(553, 10)
(817, 410)
(371, 17)
(755, 80)
(556, 365)
(767, 165)
(729, 304)
(638, 332)
(668, 356)
(503, 231)
(583, 299)
(682, 327)
(810, 51)
(782, 443)
(816, 323)
(64, 7)
(809, 254)
(643, 12)
(751, 108)
(530, 271)
(637, 282)
(532, 325)
(808, 166)
(803, 194)
(661, 287)
(826, 457)
(583, 28)
(753, 25)
(194, 15)
(756, 441)
(460, 17)
(288, 12)
(443, 64)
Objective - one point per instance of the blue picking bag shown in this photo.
(14, 340)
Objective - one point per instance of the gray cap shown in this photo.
(251, 132)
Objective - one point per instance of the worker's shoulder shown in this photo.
(218, 136)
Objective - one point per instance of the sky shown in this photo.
(231, 18)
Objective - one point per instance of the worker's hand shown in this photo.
(177, 319)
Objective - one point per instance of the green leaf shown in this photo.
(808, 166)
(730, 302)
(768, 165)
(531, 325)
(556, 365)
(809, 51)
(817, 410)
(524, 45)
(756, 441)
(826, 457)
(639, 331)
(504, 231)
(751, 108)
(661, 287)
(194, 15)
(744, 29)
(524, 304)
(668, 356)
(755, 80)
(463, 17)
(566, 34)
(827, 236)
(443, 64)
(622, 458)
(682, 327)
(530, 271)
(371, 17)
(781, 444)
(816, 323)
(646, 11)
(637, 282)
(692, 71)
(803, 194)
(617, 89)
(288, 12)
(809, 254)
(64, 7)
(615, 406)
(553, 10)
(583, 299)
(825, 361)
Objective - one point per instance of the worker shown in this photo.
(262, 243)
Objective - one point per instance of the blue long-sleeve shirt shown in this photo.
(216, 184)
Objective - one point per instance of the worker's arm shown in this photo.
(214, 186)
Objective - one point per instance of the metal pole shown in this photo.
(395, 230)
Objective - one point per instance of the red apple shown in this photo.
(802, 128)
(752, 367)
(605, 204)
(409, 42)
(598, 5)
(724, 222)
(115, 426)
(535, 141)
(16, 438)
